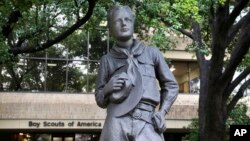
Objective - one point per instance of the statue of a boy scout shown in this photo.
(127, 84)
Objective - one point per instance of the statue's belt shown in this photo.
(143, 111)
(145, 106)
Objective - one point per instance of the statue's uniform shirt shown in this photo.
(151, 65)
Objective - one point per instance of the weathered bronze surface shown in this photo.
(127, 84)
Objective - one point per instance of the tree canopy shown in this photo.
(29, 26)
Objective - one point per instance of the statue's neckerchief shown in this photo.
(131, 57)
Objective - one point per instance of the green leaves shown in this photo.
(187, 9)
(238, 115)
(222, 2)
(246, 62)
(194, 134)
(4, 54)
(203, 50)
(162, 39)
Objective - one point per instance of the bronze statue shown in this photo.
(127, 84)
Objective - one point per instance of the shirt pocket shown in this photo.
(147, 66)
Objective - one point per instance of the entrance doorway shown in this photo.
(61, 137)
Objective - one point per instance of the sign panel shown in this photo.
(51, 124)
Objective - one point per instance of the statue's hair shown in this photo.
(118, 7)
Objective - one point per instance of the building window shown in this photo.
(187, 76)
(68, 67)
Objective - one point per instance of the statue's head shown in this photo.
(121, 23)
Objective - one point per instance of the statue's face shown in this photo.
(122, 25)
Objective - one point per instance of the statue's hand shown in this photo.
(159, 122)
(115, 84)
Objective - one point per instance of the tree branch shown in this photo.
(12, 19)
(65, 34)
(239, 95)
(219, 30)
(234, 30)
(14, 78)
(185, 32)
(198, 41)
(237, 10)
(76, 4)
(27, 36)
(240, 50)
(237, 81)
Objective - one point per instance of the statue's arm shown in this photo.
(167, 81)
(102, 79)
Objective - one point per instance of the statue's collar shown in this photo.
(118, 52)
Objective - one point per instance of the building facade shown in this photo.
(74, 117)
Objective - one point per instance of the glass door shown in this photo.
(57, 139)
(68, 139)
(62, 137)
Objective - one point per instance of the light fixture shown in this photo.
(172, 68)
(103, 23)
(51, 65)
(22, 64)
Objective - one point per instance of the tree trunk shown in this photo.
(214, 124)
(211, 104)
(211, 111)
